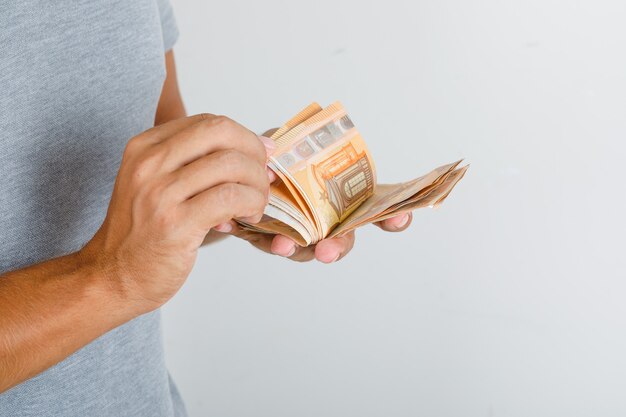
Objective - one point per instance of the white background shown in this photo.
(510, 300)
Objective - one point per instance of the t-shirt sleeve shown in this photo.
(168, 24)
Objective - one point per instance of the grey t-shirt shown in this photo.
(78, 78)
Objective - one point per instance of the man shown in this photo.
(101, 214)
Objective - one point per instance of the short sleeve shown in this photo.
(168, 24)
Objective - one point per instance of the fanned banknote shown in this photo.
(326, 183)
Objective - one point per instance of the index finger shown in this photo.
(161, 132)
(211, 134)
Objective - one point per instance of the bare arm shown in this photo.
(50, 310)
(170, 105)
(176, 182)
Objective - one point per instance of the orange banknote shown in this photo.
(327, 180)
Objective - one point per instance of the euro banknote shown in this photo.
(327, 186)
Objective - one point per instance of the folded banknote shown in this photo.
(326, 184)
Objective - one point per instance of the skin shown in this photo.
(326, 251)
(180, 184)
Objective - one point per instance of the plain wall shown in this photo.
(509, 300)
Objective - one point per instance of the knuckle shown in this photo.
(166, 221)
(256, 206)
(261, 204)
(144, 167)
(154, 156)
(229, 194)
(221, 122)
(205, 116)
(214, 125)
(154, 198)
(140, 173)
(231, 159)
(259, 149)
(133, 146)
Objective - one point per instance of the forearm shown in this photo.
(52, 309)
(169, 110)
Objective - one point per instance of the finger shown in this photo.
(214, 169)
(397, 223)
(271, 175)
(165, 130)
(222, 203)
(283, 246)
(270, 147)
(269, 133)
(226, 227)
(275, 244)
(210, 135)
(331, 250)
(262, 241)
(269, 144)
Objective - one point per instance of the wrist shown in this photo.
(108, 287)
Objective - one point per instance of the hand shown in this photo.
(176, 182)
(327, 250)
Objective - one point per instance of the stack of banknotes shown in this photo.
(326, 183)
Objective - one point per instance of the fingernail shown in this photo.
(223, 228)
(287, 253)
(271, 175)
(403, 222)
(269, 144)
(329, 261)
